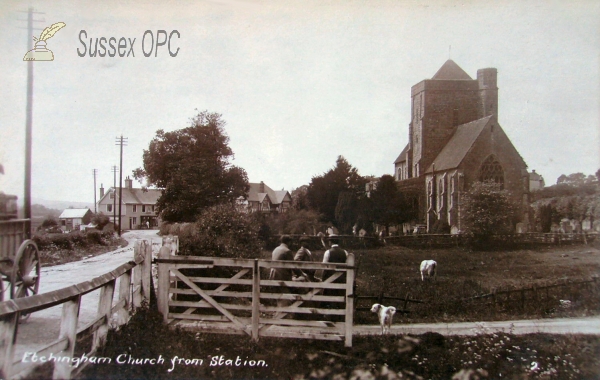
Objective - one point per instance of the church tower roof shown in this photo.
(451, 71)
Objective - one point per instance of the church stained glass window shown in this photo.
(491, 170)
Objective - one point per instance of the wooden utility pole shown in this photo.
(121, 141)
(115, 170)
(28, 126)
(94, 173)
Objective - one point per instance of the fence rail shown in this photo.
(233, 296)
(134, 287)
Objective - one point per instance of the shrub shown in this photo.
(63, 241)
(95, 237)
(220, 231)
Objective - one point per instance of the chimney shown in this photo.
(128, 183)
(262, 187)
(101, 190)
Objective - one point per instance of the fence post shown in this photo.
(349, 299)
(137, 275)
(146, 269)
(68, 330)
(163, 282)
(104, 308)
(255, 300)
(124, 294)
(8, 337)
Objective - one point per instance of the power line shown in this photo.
(122, 141)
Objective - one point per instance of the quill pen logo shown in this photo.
(40, 52)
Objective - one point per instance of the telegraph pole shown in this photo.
(115, 170)
(121, 141)
(28, 124)
(94, 173)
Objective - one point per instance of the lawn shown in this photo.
(394, 272)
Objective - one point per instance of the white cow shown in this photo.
(385, 314)
(428, 269)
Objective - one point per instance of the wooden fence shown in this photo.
(134, 287)
(533, 293)
(508, 240)
(234, 296)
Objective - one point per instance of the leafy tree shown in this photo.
(299, 198)
(323, 191)
(100, 220)
(192, 167)
(489, 209)
(575, 197)
(221, 231)
(346, 211)
(389, 206)
(50, 221)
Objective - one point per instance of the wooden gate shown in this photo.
(234, 296)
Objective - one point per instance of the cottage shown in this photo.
(138, 206)
(72, 218)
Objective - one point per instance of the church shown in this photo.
(454, 139)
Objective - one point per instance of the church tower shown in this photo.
(488, 92)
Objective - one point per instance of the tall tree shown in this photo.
(489, 209)
(389, 206)
(323, 191)
(192, 167)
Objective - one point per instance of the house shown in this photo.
(138, 206)
(455, 139)
(261, 198)
(70, 219)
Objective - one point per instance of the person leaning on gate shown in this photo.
(335, 254)
(282, 252)
(305, 255)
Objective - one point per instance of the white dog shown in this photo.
(385, 314)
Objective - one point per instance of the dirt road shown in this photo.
(43, 326)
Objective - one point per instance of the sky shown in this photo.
(298, 83)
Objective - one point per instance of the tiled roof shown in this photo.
(136, 195)
(457, 148)
(74, 213)
(254, 194)
(451, 71)
(402, 156)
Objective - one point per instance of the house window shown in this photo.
(265, 206)
(491, 170)
(109, 208)
(143, 208)
(134, 208)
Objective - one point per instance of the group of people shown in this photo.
(335, 254)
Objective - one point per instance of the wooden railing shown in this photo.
(134, 287)
(233, 296)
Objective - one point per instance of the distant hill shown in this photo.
(61, 205)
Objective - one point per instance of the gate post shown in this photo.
(146, 270)
(255, 300)
(349, 300)
(163, 282)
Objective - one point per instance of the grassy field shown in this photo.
(394, 272)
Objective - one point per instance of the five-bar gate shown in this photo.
(235, 296)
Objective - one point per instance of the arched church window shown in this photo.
(491, 170)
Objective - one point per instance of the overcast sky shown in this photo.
(298, 83)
